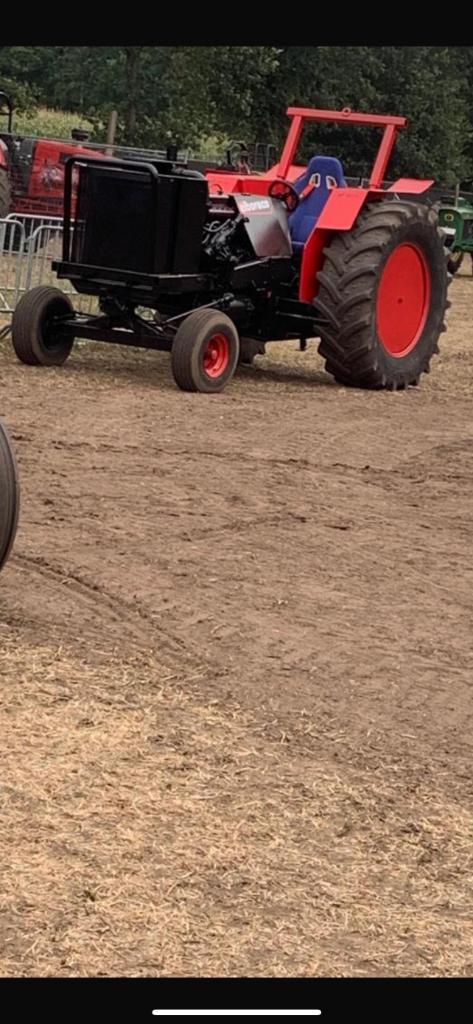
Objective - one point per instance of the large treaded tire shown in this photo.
(5, 193)
(205, 351)
(9, 496)
(347, 300)
(36, 337)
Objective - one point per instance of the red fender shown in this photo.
(413, 185)
(339, 214)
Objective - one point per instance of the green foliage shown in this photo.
(54, 124)
(217, 88)
(19, 92)
(428, 85)
(211, 146)
(202, 97)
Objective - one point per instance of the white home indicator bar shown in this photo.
(237, 1013)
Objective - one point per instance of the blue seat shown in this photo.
(323, 173)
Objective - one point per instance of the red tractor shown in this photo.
(32, 170)
(227, 262)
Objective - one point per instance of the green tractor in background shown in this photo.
(456, 219)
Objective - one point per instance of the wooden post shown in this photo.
(111, 130)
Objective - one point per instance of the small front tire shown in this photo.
(205, 352)
(36, 327)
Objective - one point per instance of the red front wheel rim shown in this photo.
(216, 356)
(403, 301)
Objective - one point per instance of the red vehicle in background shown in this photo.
(32, 170)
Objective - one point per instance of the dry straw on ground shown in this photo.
(236, 669)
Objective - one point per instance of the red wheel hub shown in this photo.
(403, 301)
(216, 355)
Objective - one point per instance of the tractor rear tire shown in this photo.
(9, 496)
(454, 262)
(383, 296)
(5, 193)
(36, 327)
(205, 351)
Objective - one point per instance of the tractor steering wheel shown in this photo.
(285, 192)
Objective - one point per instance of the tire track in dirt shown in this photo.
(121, 612)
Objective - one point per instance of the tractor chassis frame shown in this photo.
(133, 330)
(137, 334)
(257, 297)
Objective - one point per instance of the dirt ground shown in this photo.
(236, 670)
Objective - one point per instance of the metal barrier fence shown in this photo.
(28, 243)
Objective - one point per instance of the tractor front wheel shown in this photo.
(205, 351)
(383, 296)
(9, 496)
(37, 334)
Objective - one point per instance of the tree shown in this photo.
(426, 84)
(243, 91)
(217, 89)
